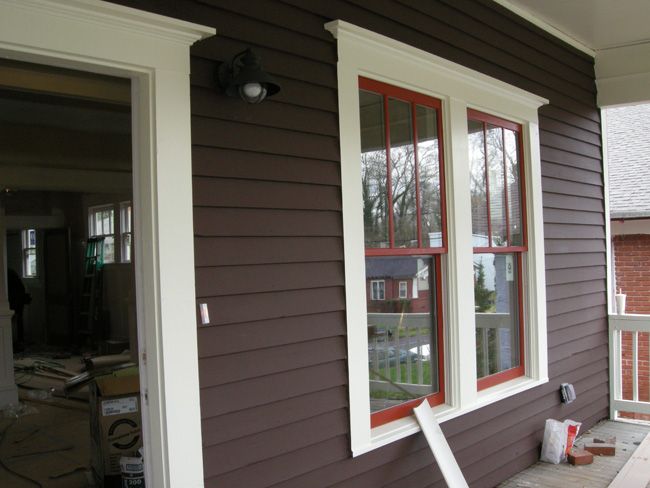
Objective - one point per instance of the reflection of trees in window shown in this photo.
(375, 211)
(483, 297)
(413, 186)
(494, 184)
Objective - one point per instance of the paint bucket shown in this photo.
(132, 469)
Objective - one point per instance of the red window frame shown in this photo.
(413, 98)
(508, 374)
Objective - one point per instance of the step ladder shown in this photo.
(90, 309)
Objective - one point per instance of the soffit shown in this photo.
(597, 24)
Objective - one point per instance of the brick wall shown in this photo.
(632, 267)
(632, 264)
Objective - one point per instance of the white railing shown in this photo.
(629, 388)
(399, 349)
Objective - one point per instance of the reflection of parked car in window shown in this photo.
(383, 351)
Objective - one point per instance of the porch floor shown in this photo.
(599, 474)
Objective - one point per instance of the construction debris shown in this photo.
(580, 457)
(601, 448)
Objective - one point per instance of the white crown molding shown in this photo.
(105, 14)
(442, 67)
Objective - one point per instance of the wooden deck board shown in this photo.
(599, 474)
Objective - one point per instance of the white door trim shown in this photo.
(153, 51)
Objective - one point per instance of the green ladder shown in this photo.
(90, 310)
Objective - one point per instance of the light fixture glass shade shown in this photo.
(252, 92)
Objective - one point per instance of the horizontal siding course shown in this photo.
(223, 251)
(260, 446)
(570, 290)
(248, 336)
(271, 388)
(240, 366)
(256, 222)
(258, 306)
(269, 247)
(235, 425)
(243, 164)
(221, 192)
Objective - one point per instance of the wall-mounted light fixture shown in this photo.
(243, 77)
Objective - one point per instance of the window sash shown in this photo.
(101, 223)
(390, 92)
(485, 119)
(415, 100)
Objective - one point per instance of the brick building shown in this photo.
(628, 138)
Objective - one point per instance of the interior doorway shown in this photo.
(66, 176)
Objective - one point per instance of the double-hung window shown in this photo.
(30, 267)
(101, 223)
(499, 242)
(458, 246)
(403, 215)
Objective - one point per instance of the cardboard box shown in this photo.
(115, 421)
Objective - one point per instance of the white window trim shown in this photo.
(372, 291)
(364, 53)
(406, 289)
(153, 51)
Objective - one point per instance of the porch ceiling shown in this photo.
(616, 33)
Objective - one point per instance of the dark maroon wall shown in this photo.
(269, 254)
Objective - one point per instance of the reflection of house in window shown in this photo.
(395, 274)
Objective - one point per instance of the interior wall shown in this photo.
(32, 209)
(34, 313)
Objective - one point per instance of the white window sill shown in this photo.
(398, 429)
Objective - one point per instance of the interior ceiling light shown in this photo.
(244, 77)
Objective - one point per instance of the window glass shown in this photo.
(428, 156)
(30, 267)
(377, 290)
(497, 313)
(496, 185)
(477, 184)
(402, 163)
(403, 289)
(514, 187)
(102, 224)
(402, 338)
(404, 236)
(126, 232)
(373, 170)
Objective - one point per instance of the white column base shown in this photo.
(8, 389)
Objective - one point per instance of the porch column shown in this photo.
(8, 389)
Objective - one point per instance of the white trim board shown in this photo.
(636, 472)
(153, 52)
(365, 53)
(439, 446)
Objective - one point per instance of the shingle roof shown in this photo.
(628, 148)
(400, 267)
